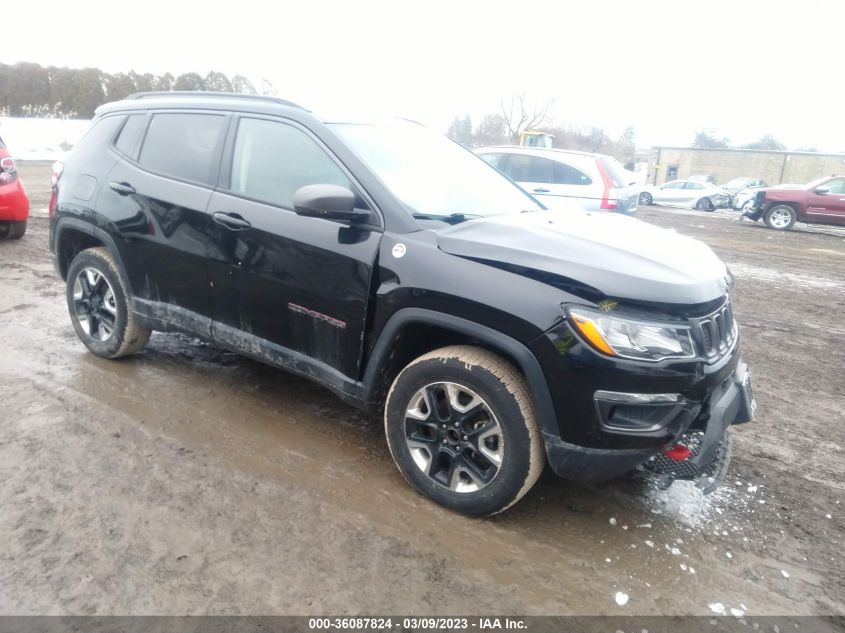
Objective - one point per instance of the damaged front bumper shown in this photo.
(699, 448)
(702, 452)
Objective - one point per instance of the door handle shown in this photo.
(123, 188)
(541, 190)
(231, 221)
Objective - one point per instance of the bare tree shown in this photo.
(520, 114)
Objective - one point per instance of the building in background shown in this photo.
(775, 167)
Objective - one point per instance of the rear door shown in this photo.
(693, 192)
(556, 185)
(827, 207)
(671, 193)
(156, 199)
(570, 182)
(287, 287)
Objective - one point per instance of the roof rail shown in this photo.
(212, 95)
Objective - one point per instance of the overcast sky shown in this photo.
(666, 68)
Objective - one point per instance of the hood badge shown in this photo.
(399, 250)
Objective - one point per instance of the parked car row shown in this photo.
(563, 179)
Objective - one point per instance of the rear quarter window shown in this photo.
(616, 172)
(129, 135)
(183, 145)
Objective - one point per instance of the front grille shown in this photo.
(717, 331)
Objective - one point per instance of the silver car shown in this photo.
(562, 178)
(692, 194)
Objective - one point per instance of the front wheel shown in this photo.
(645, 198)
(704, 205)
(98, 302)
(780, 217)
(461, 427)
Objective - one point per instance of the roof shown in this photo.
(201, 99)
(753, 151)
(558, 150)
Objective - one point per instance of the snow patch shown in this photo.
(621, 598)
(41, 139)
(783, 278)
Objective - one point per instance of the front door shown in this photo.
(287, 287)
(828, 207)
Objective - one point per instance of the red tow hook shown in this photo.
(678, 453)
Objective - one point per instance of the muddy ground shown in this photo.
(188, 480)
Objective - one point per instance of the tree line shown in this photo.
(518, 115)
(28, 89)
(709, 138)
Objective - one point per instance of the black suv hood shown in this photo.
(617, 255)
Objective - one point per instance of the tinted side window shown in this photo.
(127, 139)
(835, 186)
(566, 175)
(493, 159)
(523, 168)
(694, 185)
(272, 160)
(674, 185)
(182, 145)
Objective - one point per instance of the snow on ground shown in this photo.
(40, 139)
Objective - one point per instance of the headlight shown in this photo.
(632, 338)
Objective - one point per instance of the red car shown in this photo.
(14, 203)
(820, 202)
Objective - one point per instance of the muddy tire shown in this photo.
(780, 217)
(461, 427)
(98, 303)
(12, 230)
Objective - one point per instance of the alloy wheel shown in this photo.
(454, 437)
(780, 218)
(94, 304)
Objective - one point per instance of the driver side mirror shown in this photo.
(822, 190)
(330, 202)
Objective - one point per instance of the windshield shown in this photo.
(434, 177)
(738, 183)
(815, 183)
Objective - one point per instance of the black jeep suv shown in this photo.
(405, 274)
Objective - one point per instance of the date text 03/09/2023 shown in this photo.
(416, 623)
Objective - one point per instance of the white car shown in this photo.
(560, 178)
(744, 200)
(692, 194)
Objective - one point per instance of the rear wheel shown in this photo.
(98, 302)
(645, 198)
(461, 427)
(704, 205)
(780, 217)
(12, 230)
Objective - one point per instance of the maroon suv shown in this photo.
(821, 202)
